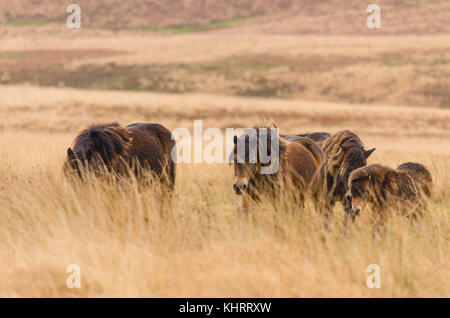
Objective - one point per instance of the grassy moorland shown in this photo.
(308, 65)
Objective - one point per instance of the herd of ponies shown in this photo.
(318, 166)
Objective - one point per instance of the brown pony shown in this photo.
(112, 148)
(344, 152)
(318, 137)
(405, 190)
(299, 161)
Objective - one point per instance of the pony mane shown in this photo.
(269, 124)
(263, 125)
(341, 149)
(108, 140)
(373, 170)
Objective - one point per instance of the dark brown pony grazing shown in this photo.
(404, 190)
(112, 148)
(318, 137)
(299, 161)
(344, 152)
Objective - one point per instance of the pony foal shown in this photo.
(404, 190)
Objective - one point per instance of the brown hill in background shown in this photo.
(270, 16)
(290, 49)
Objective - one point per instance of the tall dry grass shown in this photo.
(125, 247)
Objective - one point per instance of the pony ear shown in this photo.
(70, 154)
(235, 139)
(369, 152)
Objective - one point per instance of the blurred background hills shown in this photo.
(311, 50)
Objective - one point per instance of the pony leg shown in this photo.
(379, 228)
(328, 212)
(347, 212)
(347, 218)
(420, 212)
(329, 200)
(300, 200)
(416, 218)
(327, 215)
(243, 210)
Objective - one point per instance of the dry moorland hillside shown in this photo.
(274, 16)
(314, 50)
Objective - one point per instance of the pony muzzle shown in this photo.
(240, 186)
